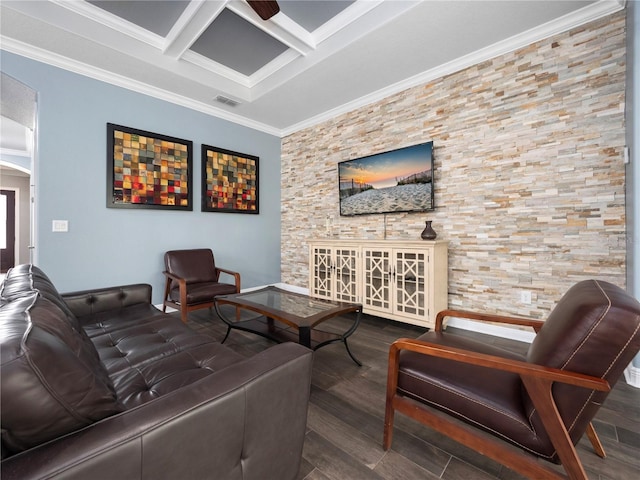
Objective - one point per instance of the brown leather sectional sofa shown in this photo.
(101, 384)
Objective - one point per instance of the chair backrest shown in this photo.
(593, 330)
(196, 265)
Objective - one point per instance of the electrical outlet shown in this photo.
(525, 297)
(60, 226)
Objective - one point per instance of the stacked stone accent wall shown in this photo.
(529, 171)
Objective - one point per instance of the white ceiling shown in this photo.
(308, 63)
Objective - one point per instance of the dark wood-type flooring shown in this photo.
(346, 411)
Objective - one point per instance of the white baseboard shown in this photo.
(292, 288)
(632, 376)
(491, 329)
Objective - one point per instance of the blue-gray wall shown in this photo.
(106, 246)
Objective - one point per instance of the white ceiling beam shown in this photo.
(190, 26)
(279, 26)
(217, 68)
(351, 14)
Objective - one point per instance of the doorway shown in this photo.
(18, 140)
(7, 230)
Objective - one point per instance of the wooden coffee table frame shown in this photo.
(282, 326)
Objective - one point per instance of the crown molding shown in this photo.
(59, 61)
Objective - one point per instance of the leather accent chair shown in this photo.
(542, 402)
(193, 280)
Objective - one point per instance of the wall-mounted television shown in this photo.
(396, 181)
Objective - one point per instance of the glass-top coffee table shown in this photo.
(288, 316)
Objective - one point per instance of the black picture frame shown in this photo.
(230, 181)
(148, 170)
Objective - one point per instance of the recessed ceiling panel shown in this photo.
(235, 43)
(156, 16)
(311, 14)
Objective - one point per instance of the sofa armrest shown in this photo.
(246, 421)
(88, 302)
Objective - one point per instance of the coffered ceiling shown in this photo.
(311, 61)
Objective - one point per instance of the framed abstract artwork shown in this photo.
(148, 170)
(229, 181)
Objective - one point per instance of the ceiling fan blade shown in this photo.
(265, 8)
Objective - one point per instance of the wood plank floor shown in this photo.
(346, 411)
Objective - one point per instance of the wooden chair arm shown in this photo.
(182, 285)
(487, 317)
(524, 369)
(173, 276)
(235, 275)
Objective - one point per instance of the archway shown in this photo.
(17, 154)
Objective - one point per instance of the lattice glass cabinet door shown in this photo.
(321, 281)
(411, 281)
(377, 278)
(346, 274)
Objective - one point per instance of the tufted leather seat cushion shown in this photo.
(141, 356)
(590, 313)
(153, 379)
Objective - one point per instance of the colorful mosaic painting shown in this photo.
(148, 170)
(229, 181)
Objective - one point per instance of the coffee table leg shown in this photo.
(348, 333)
(227, 335)
(304, 336)
(351, 354)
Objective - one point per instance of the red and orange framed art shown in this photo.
(148, 170)
(229, 181)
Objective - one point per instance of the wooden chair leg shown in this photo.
(167, 288)
(392, 385)
(595, 441)
(184, 306)
(539, 390)
(388, 425)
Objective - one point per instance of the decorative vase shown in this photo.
(428, 233)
